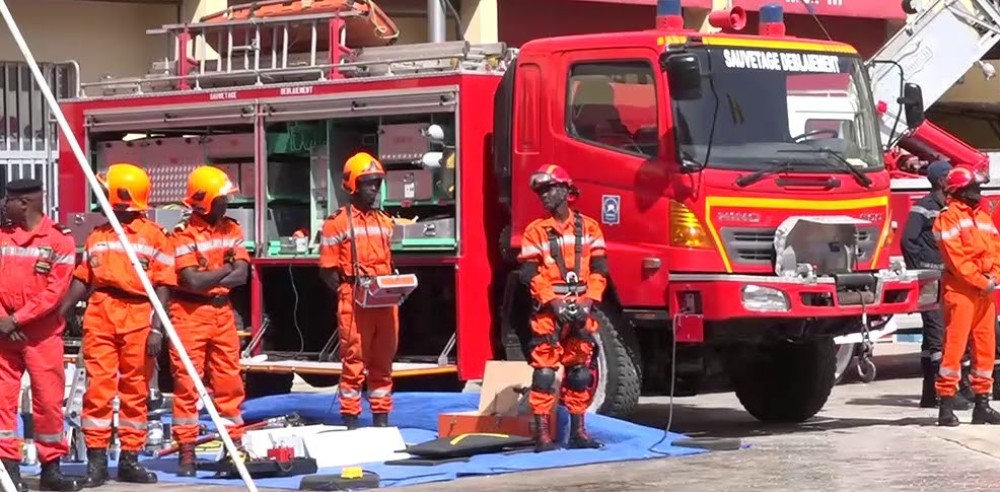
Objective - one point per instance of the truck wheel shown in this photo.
(845, 355)
(615, 367)
(784, 382)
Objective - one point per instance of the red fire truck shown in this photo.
(743, 233)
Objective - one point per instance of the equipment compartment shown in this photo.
(408, 185)
(425, 234)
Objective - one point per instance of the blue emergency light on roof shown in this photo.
(668, 7)
(772, 20)
(668, 15)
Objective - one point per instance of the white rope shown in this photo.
(129, 250)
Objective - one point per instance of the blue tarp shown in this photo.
(416, 416)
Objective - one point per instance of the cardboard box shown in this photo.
(503, 409)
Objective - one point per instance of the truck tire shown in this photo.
(617, 381)
(784, 382)
(844, 357)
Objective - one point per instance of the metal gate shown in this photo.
(28, 134)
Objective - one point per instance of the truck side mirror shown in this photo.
(683, 75)
(913, 104)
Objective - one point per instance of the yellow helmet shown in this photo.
(358, 165)
(128, 187)
(205, 184)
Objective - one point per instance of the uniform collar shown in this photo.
(199, 222)
(960, 205)
(22, 236)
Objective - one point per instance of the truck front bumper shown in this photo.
(719, 297)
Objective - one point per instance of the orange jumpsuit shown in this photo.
(115, 326)
(37, 268)
(206, 325)
(970, 247)
(551, 245)
(368, 336)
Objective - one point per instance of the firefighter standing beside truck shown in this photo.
(970, 248)
(563, 262)
(354, 248)
(121, 334)
(920, 251)
(210, 259)
(36, 259)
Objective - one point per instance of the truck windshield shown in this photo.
(773, 104)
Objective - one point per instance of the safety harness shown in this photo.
(359, 280)
(573, 283)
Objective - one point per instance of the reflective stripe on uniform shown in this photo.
(564, 289)
(358, 231)
(945, 372)
(186, 421)
(210, 245)
(565, 240)
(930, 214)
(983, 374)
(350, 393)
(379, 394)
(966, 224)
(132, 424)
(103, 246)
(36, 253)
(95, 423)
(8, 434)
(49, 438)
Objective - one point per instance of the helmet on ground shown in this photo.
(360, 165)
(205, 184)
(958, 178)
(128, 187)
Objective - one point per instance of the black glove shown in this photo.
(154, 341)
(561, 309)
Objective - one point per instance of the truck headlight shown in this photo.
(757, 298)
(929, 293)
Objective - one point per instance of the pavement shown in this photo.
(869, 436)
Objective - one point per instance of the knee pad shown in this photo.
(578, 378)
(543, 380)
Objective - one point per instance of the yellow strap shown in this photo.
(459, 438)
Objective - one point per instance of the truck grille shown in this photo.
(755, 246)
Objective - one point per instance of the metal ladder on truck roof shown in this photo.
(934, 49)
(244, 60)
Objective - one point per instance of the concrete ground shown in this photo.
(867, 437)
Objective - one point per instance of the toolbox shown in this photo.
(437, 233)
(409, 185)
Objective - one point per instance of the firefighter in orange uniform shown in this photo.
(970, 247)
(210, 259)
(354, 248)
(563, 261)
(36, 263)
(121, 334)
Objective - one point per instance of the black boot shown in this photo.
(129, 469)
(996, 383)
(380, 419)
(946, 414)
(982, 413)
(186, 461)
(928, 396)
(52, 478)
(578, 437)
(97, 467)
(351, 421)
(13, 468)
(543, 436)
